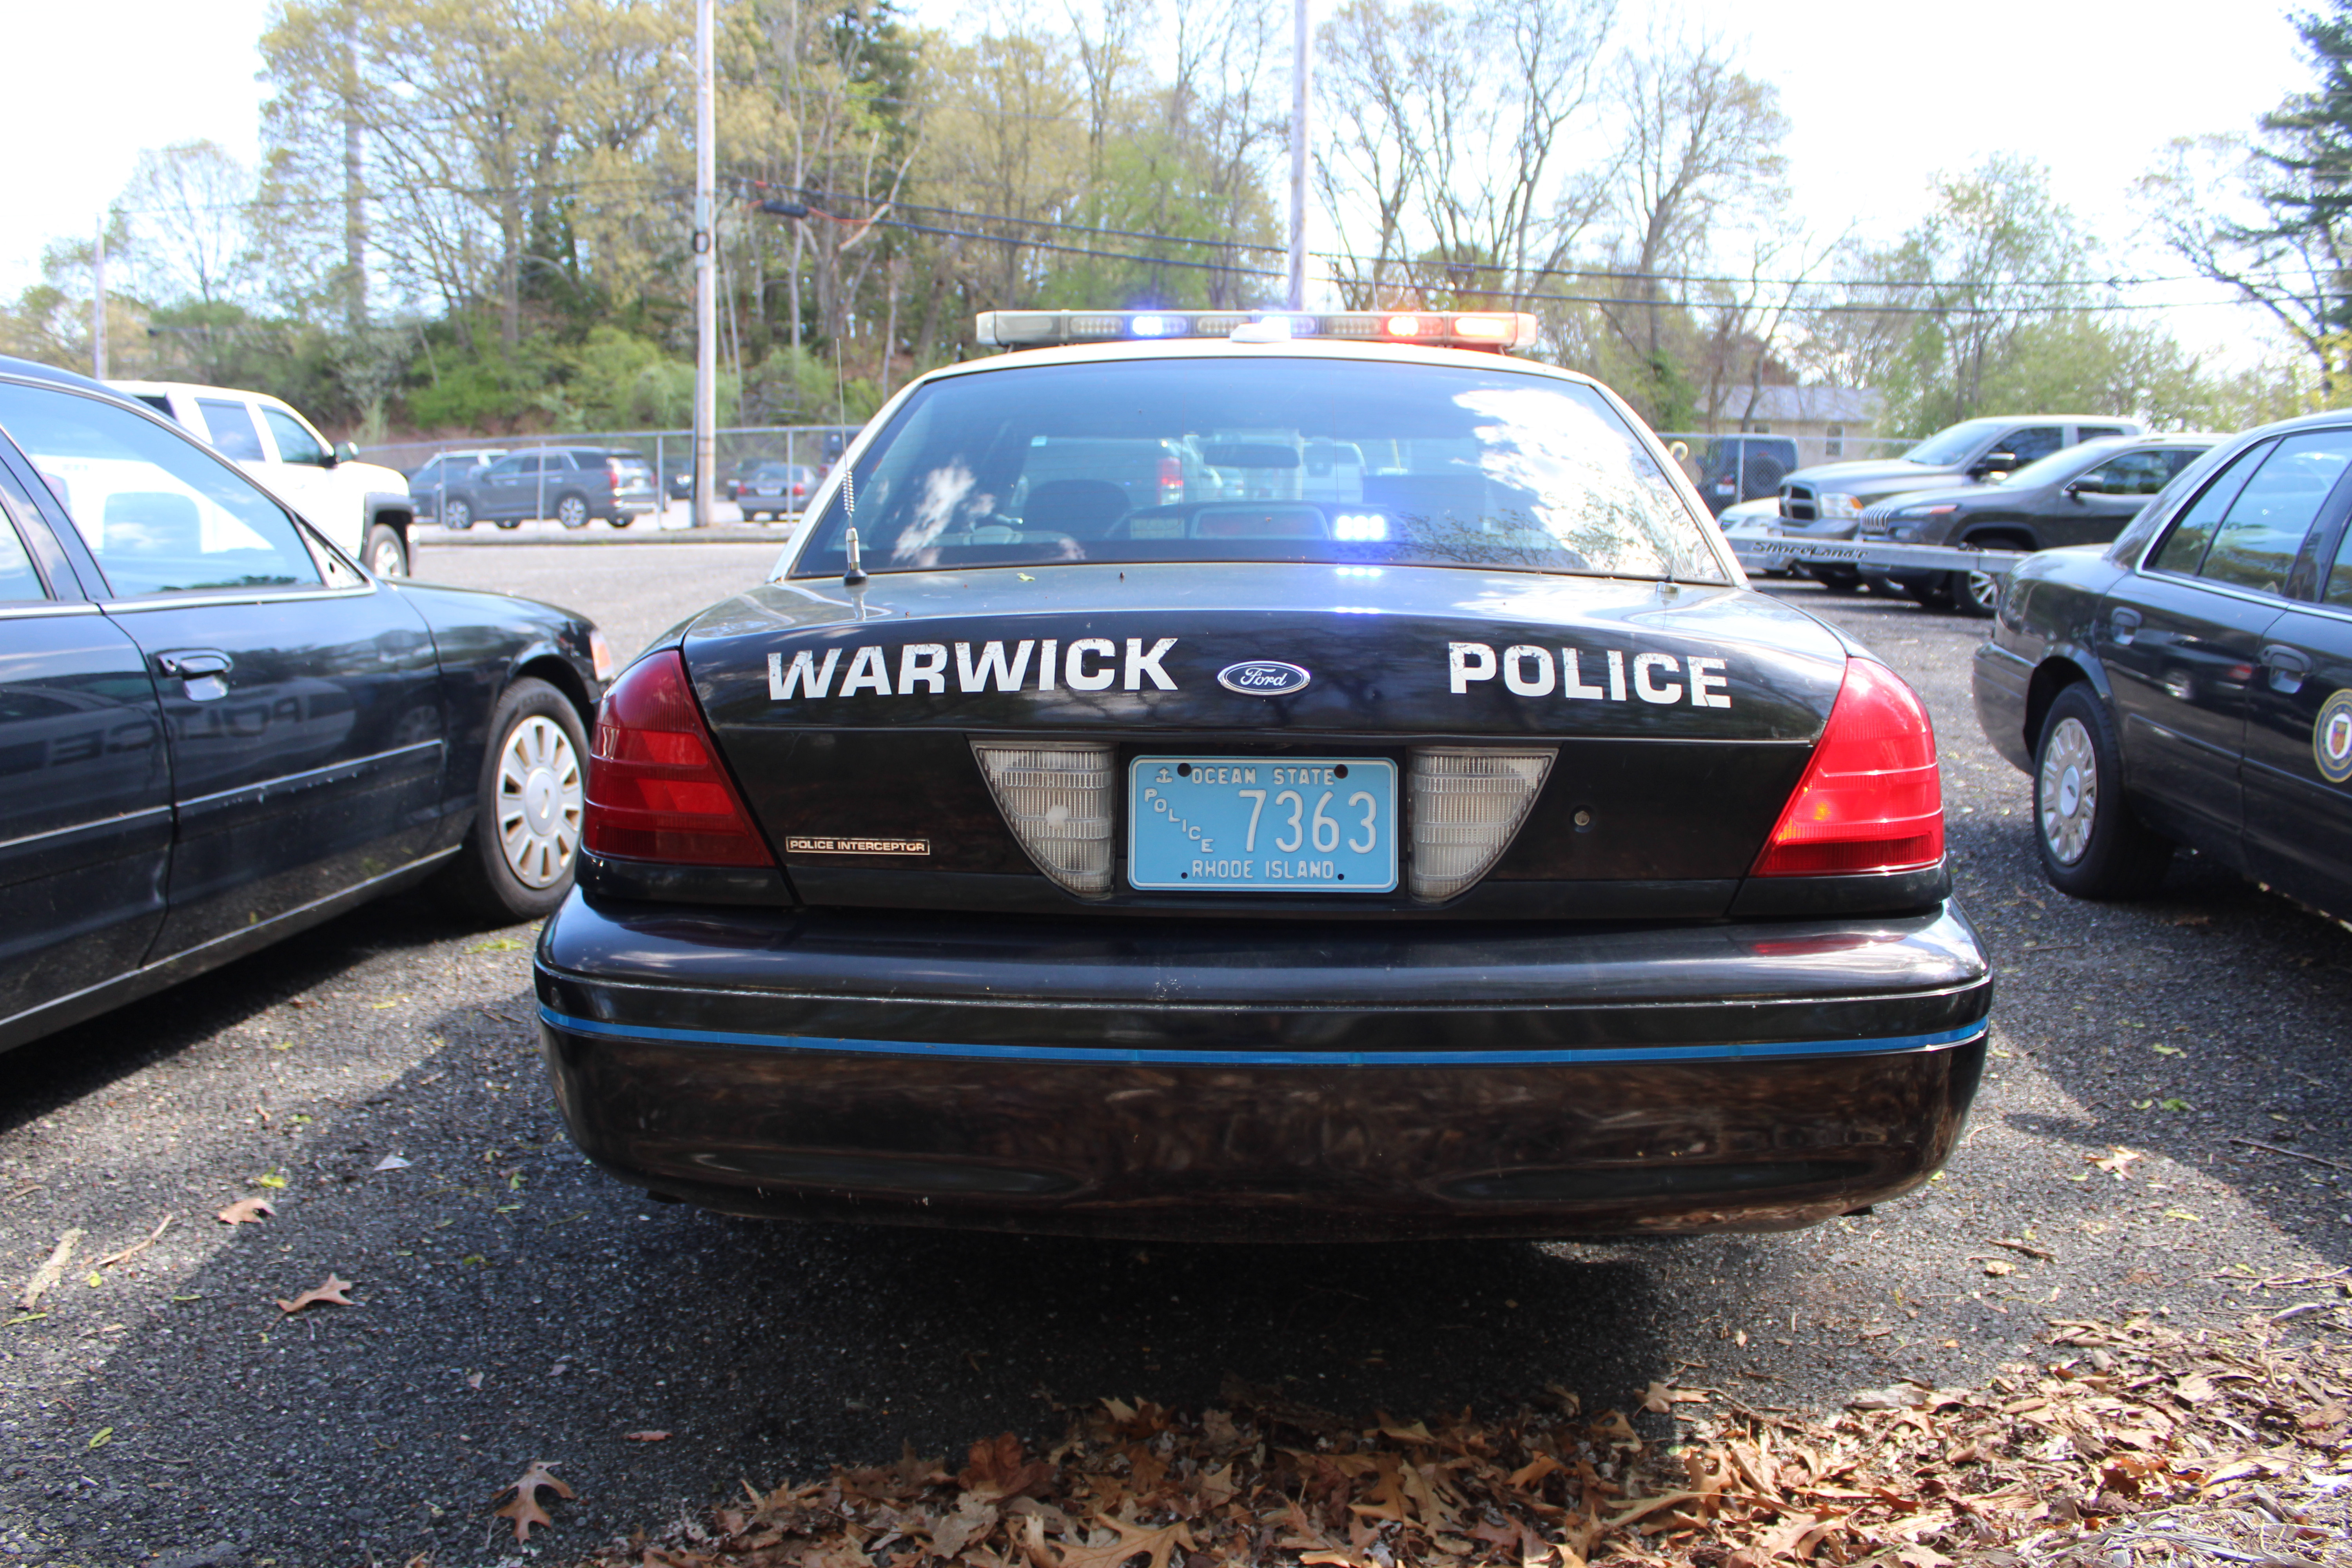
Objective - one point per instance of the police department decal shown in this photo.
(2331, 737)
(1588, 675)
(1086, 663)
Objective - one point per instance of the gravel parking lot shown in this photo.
(509, 1304)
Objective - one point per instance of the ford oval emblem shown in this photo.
(1264, 678)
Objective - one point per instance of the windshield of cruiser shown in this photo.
(1261, 458)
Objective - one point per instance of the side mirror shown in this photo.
(344, 452)
(2085, 486)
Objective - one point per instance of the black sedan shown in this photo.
(216, 731)
(2082, 495)
(2192, 683)
(1452, 845)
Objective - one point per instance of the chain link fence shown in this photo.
(669, 454)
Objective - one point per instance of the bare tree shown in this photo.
(1447, 129)
(1702, 144)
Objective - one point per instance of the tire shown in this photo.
(458, 514)
(571, 512)
(509, 524)
(385, 553)
(1976, 595)
(518, 858)
(621, 521)
(1838, 579)
(2092, 845)
(1763, 479)
(1935, 594)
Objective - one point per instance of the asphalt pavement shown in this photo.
(377, 1081)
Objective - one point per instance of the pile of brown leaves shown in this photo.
(2129, 1444)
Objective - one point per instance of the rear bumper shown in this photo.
(1269, 1083)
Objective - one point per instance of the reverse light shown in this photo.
(1467, 805)
(656, 791)
(1057, 798)
(1872, 798)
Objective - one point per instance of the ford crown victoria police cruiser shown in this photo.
(1390, 814)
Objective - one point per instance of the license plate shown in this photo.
(1258, 825)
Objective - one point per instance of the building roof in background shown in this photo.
(1803, 404)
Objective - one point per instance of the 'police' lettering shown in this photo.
(1466, 662)
(1528, 671)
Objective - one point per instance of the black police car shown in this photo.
(1400, 819)
(2192, 683)
(216, 731)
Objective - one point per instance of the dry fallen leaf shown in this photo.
(997, 1469)
(2115, 1162)
(51, 1271)
(645, 1436)
(333, 1291)
(1132, 1540)
(1999, 1266)
(523, 1506)
(247, 1210)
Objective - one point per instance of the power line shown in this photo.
(1028, 222)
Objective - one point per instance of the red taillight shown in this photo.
(613, 472)
(1171, 481)
(656, 791)
(1871, 799)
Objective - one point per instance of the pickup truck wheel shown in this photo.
(456, 514)
(518, 858)
(509, 524)
(622, 521)
(2092, 845)
(385, 553)
(571, 512)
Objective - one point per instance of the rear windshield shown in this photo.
(1262, 459)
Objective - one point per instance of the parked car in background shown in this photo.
(430, 483)
(573, 485)
(1748, 521)
(2192, 683)
(2083, 494)
(1826, 501)
(363, 507)
(1737, 468)
(775, 490)
(219, 731)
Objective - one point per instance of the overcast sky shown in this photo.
(1878, 96)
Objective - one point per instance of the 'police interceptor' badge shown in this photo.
(2331, 737)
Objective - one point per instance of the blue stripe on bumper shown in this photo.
(1894, 1045)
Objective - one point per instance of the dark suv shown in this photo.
(1826, 501)
(573, 485)
(1734, 468)
(2078, 495)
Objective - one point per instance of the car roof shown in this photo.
(34, 370)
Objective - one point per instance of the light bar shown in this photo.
(1467, 805)
(1497, 329)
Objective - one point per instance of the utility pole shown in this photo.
(98, 305)
(705, 270)
(1298, 161)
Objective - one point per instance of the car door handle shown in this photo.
(2125, 624)
(2287, 666)
(203, 670)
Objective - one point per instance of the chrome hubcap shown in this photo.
(539, 802)
(387, 560)
(2069, 791)
(1985, 589)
